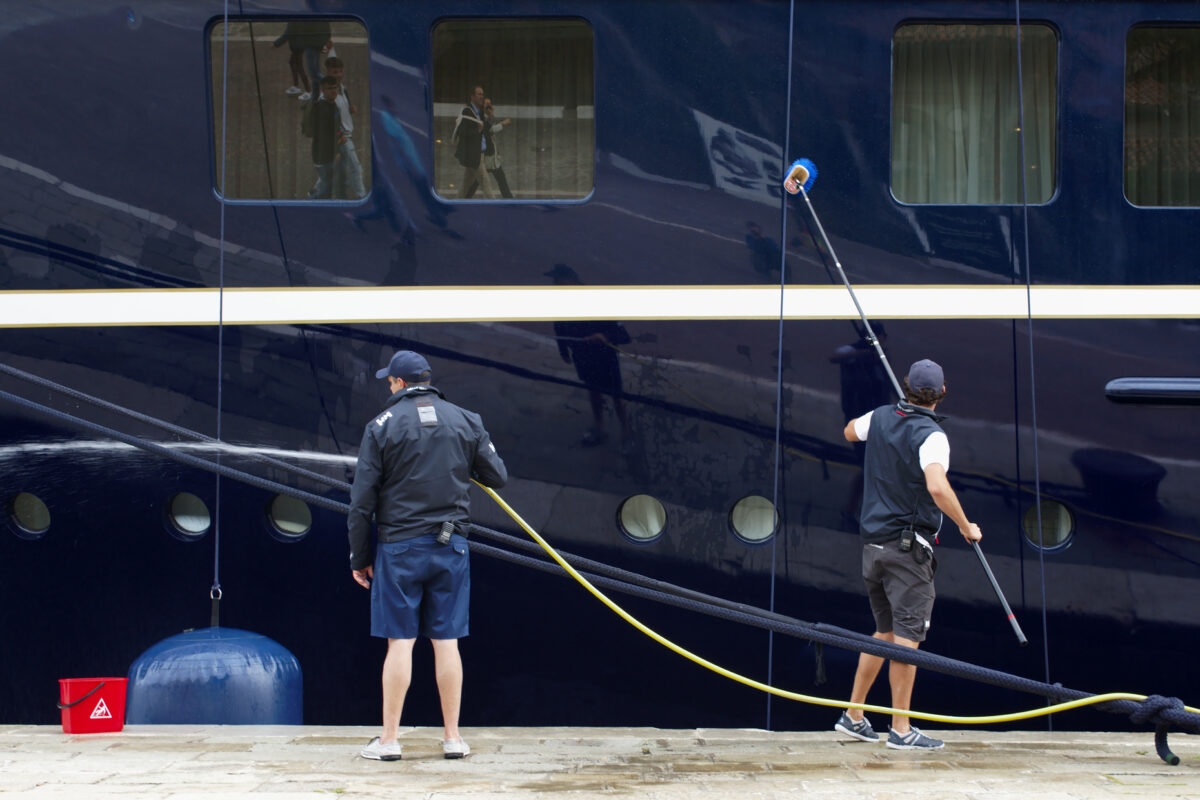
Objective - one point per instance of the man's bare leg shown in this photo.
(902, 677)
(865, 675)
(447, 664)
(397, 673)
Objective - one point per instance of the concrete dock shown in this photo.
(283, 762)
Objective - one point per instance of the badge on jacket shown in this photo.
(426, 413)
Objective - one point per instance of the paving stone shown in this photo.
(215, 762)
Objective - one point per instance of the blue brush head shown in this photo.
(813, 172)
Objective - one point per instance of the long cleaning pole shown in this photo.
(801, 176)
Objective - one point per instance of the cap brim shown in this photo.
(382, 373)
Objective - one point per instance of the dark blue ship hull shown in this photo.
(109, 156)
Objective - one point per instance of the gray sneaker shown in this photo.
(861, 730)
(913, 740)
(377, 751)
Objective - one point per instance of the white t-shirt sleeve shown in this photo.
(935, 450)
(862, 426)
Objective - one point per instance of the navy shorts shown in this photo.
(421, 588)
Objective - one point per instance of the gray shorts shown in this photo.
(900, 589)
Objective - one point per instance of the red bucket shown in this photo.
(92, 705)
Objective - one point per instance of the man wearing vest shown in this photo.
(905, 493)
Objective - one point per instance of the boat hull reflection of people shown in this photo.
(469, 145)
(491, 153)
(905, 493)
(413, 477)
(590, 346)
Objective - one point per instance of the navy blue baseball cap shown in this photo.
(926, 374)
(408, 366)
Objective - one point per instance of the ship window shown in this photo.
(188, 517)
(753, 519)
(1057, 525)
(956, 133)
(28, 516)
(269, 136)
(1162, 116)
(290, 518)
(642, 518)
(537, 75)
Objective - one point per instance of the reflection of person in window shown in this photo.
(325, 136)
(491, 154)
(469, 145)
(300, 84)
(312, 36)
(349, 170)
(591, 346)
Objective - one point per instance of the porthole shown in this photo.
(187, 517)
(28, 516)
(289, 519)
(642, 518)
(753, 519)
(1058, 526)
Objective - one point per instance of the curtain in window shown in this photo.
(955, 123)
(1162, 117)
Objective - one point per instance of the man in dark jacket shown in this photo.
(415, 465)
(325, 138)
(905, 493)
(469, 146)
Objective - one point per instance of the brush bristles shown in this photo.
(802, 173)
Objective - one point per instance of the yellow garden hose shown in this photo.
(803, 698)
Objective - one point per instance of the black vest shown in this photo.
(894, 493)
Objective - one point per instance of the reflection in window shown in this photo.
(282, 142)
(642, 517)
(188, 516)
(290, 518)
(753, 518)
(537, 79)
(955, 124)
(28, 515)
(1057, 525)
(1162, 117)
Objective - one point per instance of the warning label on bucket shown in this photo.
(101, 710)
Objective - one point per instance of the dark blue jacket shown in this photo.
(414, 469)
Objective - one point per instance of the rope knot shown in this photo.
(1150, 709)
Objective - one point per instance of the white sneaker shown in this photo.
(377, 751)
(305, 97)
(457, 749)
(294, 90)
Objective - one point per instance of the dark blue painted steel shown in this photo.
(107, 184)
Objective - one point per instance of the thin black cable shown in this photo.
(262, 121)
(215, 591)
(1037, 475)
(287, 267)
(778, 453)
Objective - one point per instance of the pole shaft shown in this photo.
(1000, 595)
